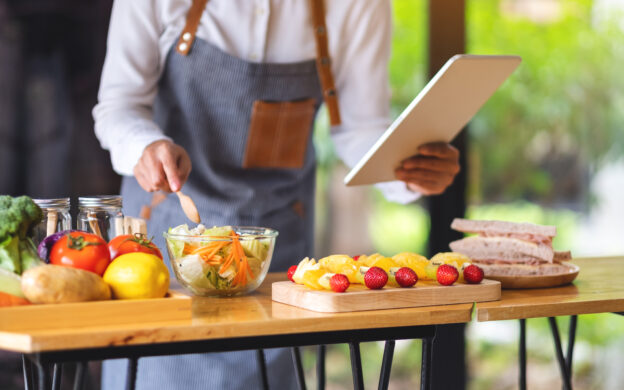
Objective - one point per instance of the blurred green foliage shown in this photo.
(560, 116)
(533, 148)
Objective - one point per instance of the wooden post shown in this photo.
(447, 37)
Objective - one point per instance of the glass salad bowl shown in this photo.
(221, 261)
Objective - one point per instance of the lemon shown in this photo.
(136, 276)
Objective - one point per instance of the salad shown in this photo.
(221, 260)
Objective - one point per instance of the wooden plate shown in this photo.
(538, 281)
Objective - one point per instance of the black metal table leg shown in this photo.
(565, 377)
(425, 368)
(264, 378)
(320, 367)
(386, 365)
(43, 376)
(28, 373)
(57, 373)
(522, 356)
(571, 339)
(296, 355)
(79, 377)
(356, 365)
(131, 374)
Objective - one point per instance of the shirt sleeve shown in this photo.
(123, 114)
(361, 71)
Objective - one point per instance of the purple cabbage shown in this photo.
(46, 245)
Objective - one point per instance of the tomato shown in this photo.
(81, 250)
(127, 243)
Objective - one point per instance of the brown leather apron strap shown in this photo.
(323, 61)
(192, 22)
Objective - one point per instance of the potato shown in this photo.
(60, 284)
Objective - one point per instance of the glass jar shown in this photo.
(56, 218)
(101, 215)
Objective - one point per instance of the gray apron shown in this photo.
(204, 104)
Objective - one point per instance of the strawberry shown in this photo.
(339, 283)
(375, 278)
(355, 258)
(291, 272)
(473, 274)
(447, 274)
(406, 277)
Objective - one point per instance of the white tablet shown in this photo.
(438, 113)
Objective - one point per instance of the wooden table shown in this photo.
(597, 289)
(219, 324)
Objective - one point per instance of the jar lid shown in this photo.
(100, 201)
(60, 203)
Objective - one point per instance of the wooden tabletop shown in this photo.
(597, 289)
(212, 318)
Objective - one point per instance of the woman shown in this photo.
(230, 88)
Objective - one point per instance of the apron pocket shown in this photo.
(279, 133)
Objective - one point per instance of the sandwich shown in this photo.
(509, 248)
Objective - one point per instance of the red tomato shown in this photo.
(81, 250)
(127, 243)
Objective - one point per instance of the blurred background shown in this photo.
(547, 148)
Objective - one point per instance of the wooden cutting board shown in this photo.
(358, 297)
(174, 306)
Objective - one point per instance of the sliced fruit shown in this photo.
(413, 261)
(473, 274)
(384, 263)
(324, 280)
(359, 276)
(291, 272)
(302, 267)
(375, 278)
(340, 264)
(452, 258)
(339, 283)
(403, 277)
(447, 274)
(311, 278)
(369, 260)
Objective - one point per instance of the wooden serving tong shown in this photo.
(186, 202)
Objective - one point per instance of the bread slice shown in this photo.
(502, 248)
(502, 227)
(523, 269)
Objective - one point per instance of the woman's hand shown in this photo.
(432, 170)
(163, 166)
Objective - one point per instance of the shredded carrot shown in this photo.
(210, 247)
(242, 264)
(228, 262)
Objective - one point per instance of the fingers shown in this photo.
(422, 175)
(439, 149)
(432, 170)
(162, 166)
(431, 164)
(170, 168)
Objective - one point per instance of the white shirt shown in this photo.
(142, 33)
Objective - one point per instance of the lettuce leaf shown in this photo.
(257, 248)
(223, 231)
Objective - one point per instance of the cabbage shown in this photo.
(193, 270)
(258, 248)
(221, 231)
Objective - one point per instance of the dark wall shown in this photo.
(51, 55)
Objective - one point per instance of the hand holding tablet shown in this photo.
(437, 114)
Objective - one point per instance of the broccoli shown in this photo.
(17, 218)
